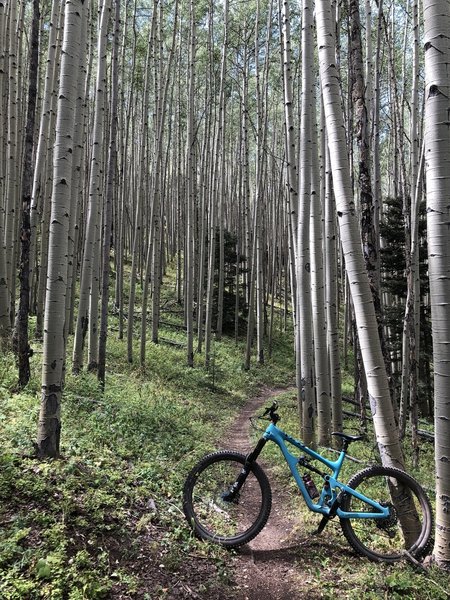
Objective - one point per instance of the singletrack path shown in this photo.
(265, 568)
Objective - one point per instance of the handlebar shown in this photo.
(273, 416)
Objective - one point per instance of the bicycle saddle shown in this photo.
(346, 437)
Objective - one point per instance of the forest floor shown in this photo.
(263, 569)
(286, 560)
(105, 520)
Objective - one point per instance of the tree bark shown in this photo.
(436, 16)
(377, 380)
(53, 363)
(95, 196)
(108, 211)
(20, 337)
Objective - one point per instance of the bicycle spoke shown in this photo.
(215, 511)
(407, 528)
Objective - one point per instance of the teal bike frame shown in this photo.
(328, 502)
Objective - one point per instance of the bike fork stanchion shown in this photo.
(231, 494)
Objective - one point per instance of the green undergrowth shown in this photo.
(105, 519)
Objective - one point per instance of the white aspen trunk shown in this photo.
(375, 125)
(291, 156)
(77, 188)
(246, 231)
(108, 212)
(20, 336)
(221, 191)
(203, 187)
(140, 190)
(368, 75)
(91, 249)
(44, 134)
(13, 160)
(436, 16)
(3, 93)
(123, 178)
(332, 299)
(366, 322)
(303, 271)
(322, 372)
(410, 345)
(4, 298)
(191, 176)
(157, 215)
(291, 176)
(213, 209)
(53, 363)
(45, 187)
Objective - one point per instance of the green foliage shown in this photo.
(231, 289)
(75, 527)
(106, 519)
(394, 282)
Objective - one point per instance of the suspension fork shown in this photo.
(250, 459)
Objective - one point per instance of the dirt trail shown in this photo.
(265, 568)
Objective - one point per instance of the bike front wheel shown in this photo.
(408, 527)
(207, 505)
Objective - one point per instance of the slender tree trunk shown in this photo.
(303, 272)
(108, 212)
(437, 164)
(13, 162)
(43, 138)
(143, 156)
(291, 176)
(20, 338)
(191, 176)
(77, 191)
(221, 191)
(91, 250)
(53, 363)
(378, 387)
(4, 294)
(321, 362)
(332, 300)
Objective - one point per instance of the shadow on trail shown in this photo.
(308, 552)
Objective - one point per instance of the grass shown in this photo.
(105, 520)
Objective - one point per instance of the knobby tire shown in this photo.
(230, 524)
(385, 539)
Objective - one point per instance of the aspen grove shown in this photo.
(281, 164)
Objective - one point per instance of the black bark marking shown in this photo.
(434, 91)
(52, 403)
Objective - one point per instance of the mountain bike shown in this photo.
(384, 513)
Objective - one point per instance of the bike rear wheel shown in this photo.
(211, 514)
(407, 529)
